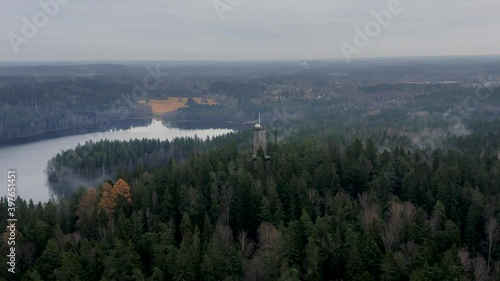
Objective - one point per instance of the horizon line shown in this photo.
(113, 61)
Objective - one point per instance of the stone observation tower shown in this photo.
(259, 140)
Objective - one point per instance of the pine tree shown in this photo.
(392, 267)
(372, 257)
(288, 273)
(71, 269)
(265, 210)
(87, 213)
(49, 261)
(122, 263)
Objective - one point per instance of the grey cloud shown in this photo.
(256, 29)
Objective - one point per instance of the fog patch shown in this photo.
(433, 138)
(63, 182)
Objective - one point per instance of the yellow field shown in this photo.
(173, 103)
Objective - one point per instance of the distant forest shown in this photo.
(36, 100)
(31, 107)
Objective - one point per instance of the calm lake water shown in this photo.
(30, 159)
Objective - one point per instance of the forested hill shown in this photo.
(59, 103)
(318, 210)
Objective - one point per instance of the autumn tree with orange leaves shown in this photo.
(112, 196)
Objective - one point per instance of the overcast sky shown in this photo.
(255, 29)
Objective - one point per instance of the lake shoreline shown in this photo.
(94, 128)
(30, 160)
(64, 132)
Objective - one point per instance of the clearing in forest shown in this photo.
(174, 103)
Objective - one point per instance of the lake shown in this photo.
(30, 159)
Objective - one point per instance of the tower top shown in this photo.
(258, 124)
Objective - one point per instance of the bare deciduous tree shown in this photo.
(491, 229)
(480, 269)
(409, 211)
(262, 262)
(245, 245)
(269, 236)
(226, 235)
(370, 211)
(465, 259)
(393, 229)
(315, 199)
(312, 194)
(75, 238)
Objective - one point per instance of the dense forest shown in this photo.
(94, 162)
(318, 210)
(37, 100)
